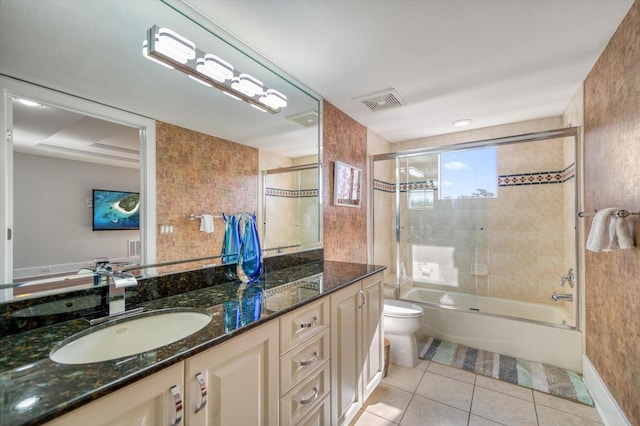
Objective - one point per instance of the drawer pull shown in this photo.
(203, 392)
(313, 359)
(311, 398)
(309, 324)
(177, 401)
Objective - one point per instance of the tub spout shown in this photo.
(555, 297)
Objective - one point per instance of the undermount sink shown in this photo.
(129, 337)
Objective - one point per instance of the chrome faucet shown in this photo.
(117, 282)
(570, 278)
(555, 297)
(117, 285)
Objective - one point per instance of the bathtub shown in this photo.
(538, 332)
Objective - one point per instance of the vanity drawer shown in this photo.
(299, 325)
(305, 397)
(303, 360)
(319, 416)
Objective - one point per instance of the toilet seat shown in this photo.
(399, 309)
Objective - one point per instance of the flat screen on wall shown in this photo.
(115, 210)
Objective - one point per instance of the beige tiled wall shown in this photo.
(521, 235)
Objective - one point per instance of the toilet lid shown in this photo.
(398, 309)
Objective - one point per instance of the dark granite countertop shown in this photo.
(27, 373)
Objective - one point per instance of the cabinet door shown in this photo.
(346, 353)
(148, 402)
(373, 343)
(239, 379)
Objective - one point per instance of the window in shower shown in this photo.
(468, 174)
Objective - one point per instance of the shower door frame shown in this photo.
(280, 170)
(567, 132)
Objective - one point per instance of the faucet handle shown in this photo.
(570, 277)
(123, 279)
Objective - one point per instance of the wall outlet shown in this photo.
(481, 269)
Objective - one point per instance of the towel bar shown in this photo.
(619, 213)
(194, 216)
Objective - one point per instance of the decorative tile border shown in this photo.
(413, 186)
(380, 185)
(519, 179)
(569, 172)
(538, 178)
(287, 193)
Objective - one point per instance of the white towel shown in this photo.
(599, 239)
(206, 223)
(609, 232)
(624, 232)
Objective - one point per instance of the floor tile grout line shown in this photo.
(473, 392)
(406, 409)
(573, 413)
(537, 404)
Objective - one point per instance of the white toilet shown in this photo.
(401, 320)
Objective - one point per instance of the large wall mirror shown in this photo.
(110, 118)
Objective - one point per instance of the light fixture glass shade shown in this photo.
(175, 46)
(215, 68)
(258, 108)
(231, 95)
(199, 80)
(247, 84)
(145, 53)
(28, 102)
(461, 123)
(273, 99)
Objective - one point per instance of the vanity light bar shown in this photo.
(175, 51)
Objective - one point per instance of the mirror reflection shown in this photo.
(205, 153)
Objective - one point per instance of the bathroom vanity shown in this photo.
(313, 356)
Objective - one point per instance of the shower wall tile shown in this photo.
(612, 173)
(198, 173)
(344, 228)
(516, 231)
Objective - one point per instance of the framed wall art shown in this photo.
(347, 182)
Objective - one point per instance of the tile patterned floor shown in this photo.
(438, 395)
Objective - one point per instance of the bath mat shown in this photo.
(534, 375)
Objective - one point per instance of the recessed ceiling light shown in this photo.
(462, 123)
(27, 102)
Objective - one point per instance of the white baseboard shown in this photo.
(608, 408)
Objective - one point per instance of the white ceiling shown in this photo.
(492, 61)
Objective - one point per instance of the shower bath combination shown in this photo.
(483, 233)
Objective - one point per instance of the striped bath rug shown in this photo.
(541, 377)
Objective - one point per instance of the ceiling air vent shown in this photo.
(382, 100)
(306, 119)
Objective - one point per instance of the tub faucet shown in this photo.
(555, 297)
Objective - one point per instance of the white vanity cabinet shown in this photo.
(305, 380)
(236, 382)
(315, 365)
(357, 346)
(153, 401)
